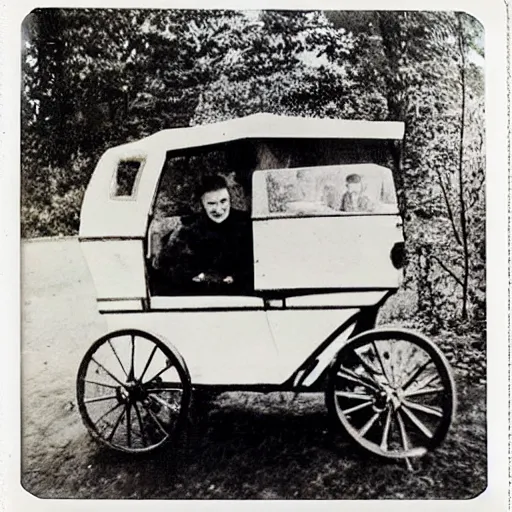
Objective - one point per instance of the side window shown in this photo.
(323, 191)
(181, 259)
(126, 178)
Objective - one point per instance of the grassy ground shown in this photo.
(249, 446)
(244, 446)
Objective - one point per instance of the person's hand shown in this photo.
(228, 280)
(199, 278)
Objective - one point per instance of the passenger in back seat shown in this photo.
(212, 252)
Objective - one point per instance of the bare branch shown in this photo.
(448, 270)
(448, 207)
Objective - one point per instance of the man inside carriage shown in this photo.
(212, 251)
(354, 199)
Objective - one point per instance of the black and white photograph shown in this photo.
(253, 254)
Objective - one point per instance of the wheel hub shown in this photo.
(131, 392)
(387, 396)
(380, 401)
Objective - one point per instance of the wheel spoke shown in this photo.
(392, 350)
(99, 399)
(424, 391)
(131, 373)
(381, 363)
(403, 433)
(163, 402)
(406, 360)
(160, 390)
(116, 425)
(128, 425)
(346, 374)
(155, 420)
(426, 382)
(104, 415)
(169, 365)
(117, 357)
(109, 373)
(368, 425)
(433, 411)
(100, 384)
(369, 368)
(416, 374)
(357, 407)
(141, 426)
(353, 395)
(385, 432)
(417, 422)
(148, 362)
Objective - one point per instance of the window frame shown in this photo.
(393, 211)
(135, 189)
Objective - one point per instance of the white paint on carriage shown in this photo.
(206, 301)
(326, 252)
(117, 268)
(218, 347)
(326, 357)
(343, 299)
(104, 215)
(238, 347)
(299, 333)
(121, 304)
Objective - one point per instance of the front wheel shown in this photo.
(133, 391)
(392, 392)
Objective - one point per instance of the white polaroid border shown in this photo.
(494, 15)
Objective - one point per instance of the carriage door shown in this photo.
(325, 229)
(318, 231)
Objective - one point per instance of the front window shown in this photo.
(360, 189)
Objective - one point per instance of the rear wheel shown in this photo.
(133, 391)
(392, 392)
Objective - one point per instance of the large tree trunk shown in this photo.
(394, 47)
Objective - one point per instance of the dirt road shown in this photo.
(248, 446)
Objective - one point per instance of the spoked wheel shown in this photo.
(133, 391)
(392, 392)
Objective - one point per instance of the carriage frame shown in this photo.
(308, 326)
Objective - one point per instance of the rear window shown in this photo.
(126, 178)
(360, 189)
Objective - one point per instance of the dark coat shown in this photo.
(217, 250)
(355, 203)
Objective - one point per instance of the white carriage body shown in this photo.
(302, 297)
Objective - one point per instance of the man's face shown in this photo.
(354, 188)
(217, 204)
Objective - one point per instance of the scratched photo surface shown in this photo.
(253, 254)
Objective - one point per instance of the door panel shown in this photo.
(326, 252)
(298, 334)
(219, 348)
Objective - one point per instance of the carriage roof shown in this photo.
(105, 215)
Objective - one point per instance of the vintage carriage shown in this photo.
(307, 322)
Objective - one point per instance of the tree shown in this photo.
(428, 87)
(281, 63)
